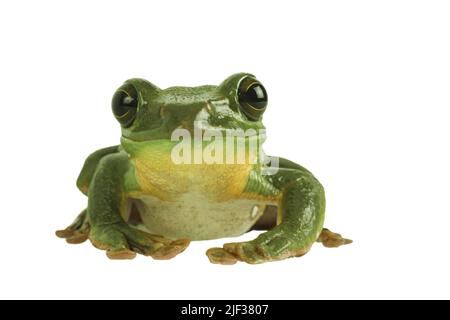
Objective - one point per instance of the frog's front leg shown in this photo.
(108, 230)
(302, 208)
(78, 231)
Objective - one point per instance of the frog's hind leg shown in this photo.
(328, 238)
(78, 231)
(300, 223)
(301, 207)
(332, 240)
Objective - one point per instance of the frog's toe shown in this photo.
(120, 254)
(248, 252)
(220, 256)
(77, 232)
(170, 250)
(332, 240)
(65, 233)
(78, 237)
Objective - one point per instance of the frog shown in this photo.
(148, 196)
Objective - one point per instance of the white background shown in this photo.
(359, 94)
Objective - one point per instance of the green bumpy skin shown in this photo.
(142, 200)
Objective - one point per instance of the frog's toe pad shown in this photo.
(220, 256)
(332, 240)
(77, 237)
(64, 233)
(170, 250)
(121, 254)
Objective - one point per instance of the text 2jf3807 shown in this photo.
(242, 309)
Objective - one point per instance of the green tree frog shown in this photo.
(190, 166)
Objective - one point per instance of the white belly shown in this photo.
(195, 217)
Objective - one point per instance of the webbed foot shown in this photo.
(78, 231)
(269, 246)
(123, 242)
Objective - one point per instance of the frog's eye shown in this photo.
(124, 104)
(252, 98)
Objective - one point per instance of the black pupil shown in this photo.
(124, 104)
(255, 95)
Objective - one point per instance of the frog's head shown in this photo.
(147, 112)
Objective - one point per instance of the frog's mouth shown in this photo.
(145, 135)
(199, 130)
(203, 134)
